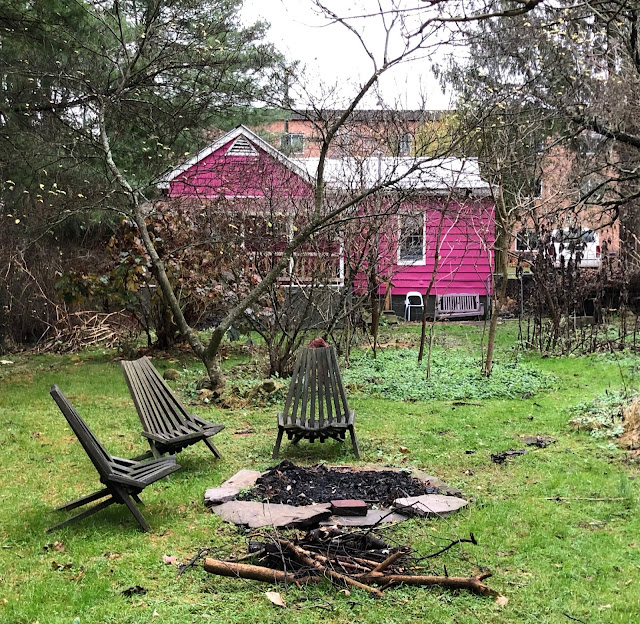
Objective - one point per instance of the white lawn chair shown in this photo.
(412, 300)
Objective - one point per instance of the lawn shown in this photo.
(572, 559)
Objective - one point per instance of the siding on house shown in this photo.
(240, 166)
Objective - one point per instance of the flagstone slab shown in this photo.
(256, 515)
(228, 490)
(429, 505)
(373, 518)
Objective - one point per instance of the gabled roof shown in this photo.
(238, 148)
(435, 175)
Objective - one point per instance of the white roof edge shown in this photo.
(223, 140)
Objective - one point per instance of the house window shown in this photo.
(411, 239)
(405, 141)
(526, 240)
(292, 144)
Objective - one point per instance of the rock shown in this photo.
(228, 490)
(374, 517)
(436, 482)
(204, 384)
(256, 515)
(429, 505)
(219, 495)
(171, 374)
(243, 479)
(269, 386)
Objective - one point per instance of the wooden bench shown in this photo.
(458, 305)
(168, 426)
(316, 405)
(123, 478)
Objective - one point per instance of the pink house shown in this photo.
(437, 229)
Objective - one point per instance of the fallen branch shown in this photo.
(473, 584)
(253, 572)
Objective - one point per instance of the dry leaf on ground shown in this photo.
(275, 598)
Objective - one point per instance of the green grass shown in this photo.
(552, 559)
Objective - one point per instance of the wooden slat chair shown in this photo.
(167, 424)
(316, 405)
(123, 479)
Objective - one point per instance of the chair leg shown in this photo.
(154, 449)
(78, 502)
(354, 441)
(128, 501)
(276, 448)
(142, 457)
(84, 514)
(137, 499)
(212, 448)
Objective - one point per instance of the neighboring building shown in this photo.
(433, 205)
(571, 184)
(366, 133)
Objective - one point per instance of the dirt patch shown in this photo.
(289, 484)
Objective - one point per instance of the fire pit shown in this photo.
(288, 495)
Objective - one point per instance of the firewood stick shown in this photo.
(472, 583)
(345, 562)
(305, 557)
(251, 572)
(381, 567)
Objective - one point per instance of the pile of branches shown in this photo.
(356, 559)
(74, 330)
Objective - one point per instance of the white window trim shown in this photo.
(418, 261)
(516, 246)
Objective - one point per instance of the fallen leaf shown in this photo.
(59, 546)
(112, 556)
(502, 600)
(131, 591)
(61, 566)
(404, 449)
(77, 577)
(275, 598)
(155, 613)
(170, 560)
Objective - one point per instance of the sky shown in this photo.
(333, 55)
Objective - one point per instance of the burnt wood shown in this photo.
(316, 406)
(167, 424)
(123, 479)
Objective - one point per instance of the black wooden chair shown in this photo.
(316, 405)
(123, 479)
(167, 424)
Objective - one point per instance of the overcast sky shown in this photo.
(331, 54)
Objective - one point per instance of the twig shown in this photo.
(185, 566)
(580, 498)
(574, 619)
(381, 567)
(471, 540)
